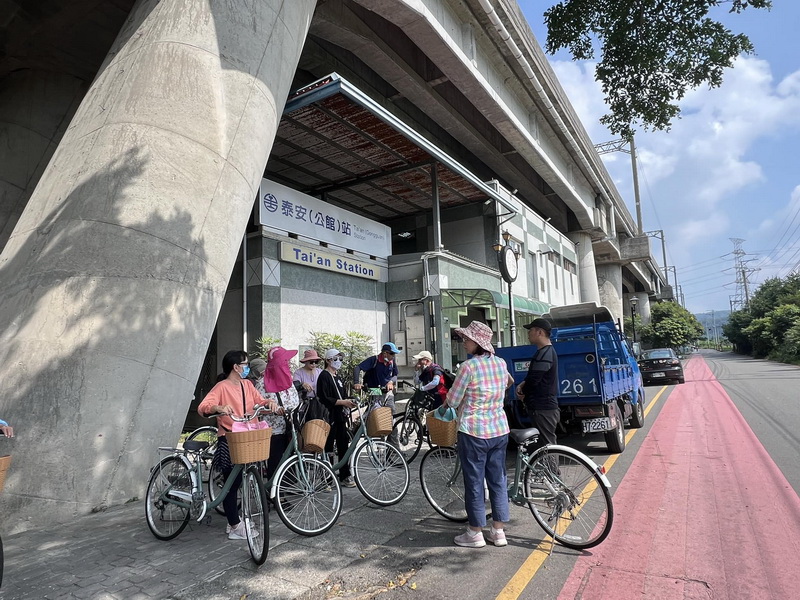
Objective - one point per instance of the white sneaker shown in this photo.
(239, 533)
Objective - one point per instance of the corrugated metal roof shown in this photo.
(335, 143)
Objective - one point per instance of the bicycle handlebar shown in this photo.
(257, 412)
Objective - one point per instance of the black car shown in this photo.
(659, 365)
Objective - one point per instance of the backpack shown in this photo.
(449, 378)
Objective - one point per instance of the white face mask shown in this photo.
(336, 363)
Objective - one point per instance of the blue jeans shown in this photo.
(484, 459)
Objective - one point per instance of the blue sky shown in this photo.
(726, 169)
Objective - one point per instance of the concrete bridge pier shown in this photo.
(115, 273)
(36, 107)
(609, 282)
(587, 272)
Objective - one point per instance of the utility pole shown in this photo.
(636, 188)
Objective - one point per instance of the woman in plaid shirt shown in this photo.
(477, 394)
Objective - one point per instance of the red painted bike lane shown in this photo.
(703, 511)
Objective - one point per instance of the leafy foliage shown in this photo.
(770, 326)
(355, 346)
(263, 344)
(671, 326)
(651, 52)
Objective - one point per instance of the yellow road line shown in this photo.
(530, 567)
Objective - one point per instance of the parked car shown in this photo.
(660, 364)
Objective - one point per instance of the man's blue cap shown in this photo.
(390, 347)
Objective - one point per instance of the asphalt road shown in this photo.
(768, 396)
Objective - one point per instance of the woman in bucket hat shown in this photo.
(477, 395)
(309, 372)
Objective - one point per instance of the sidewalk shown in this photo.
(113, 555)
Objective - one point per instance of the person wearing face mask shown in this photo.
(234, 394)
(430, 377)
(330, 392)
(380, 372)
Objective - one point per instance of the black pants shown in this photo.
(546, 422)
(277, 446)
(230, 502)
(339, 435)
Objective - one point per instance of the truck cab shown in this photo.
(599, 383)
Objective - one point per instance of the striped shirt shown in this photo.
(478, 393)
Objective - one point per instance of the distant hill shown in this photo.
(719, 318)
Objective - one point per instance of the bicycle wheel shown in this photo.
(568, 498)
(208, 434)
(255, 514)
(308, 496)
(380, 472)
(165, 519)
(215, 483)
(443, 483)
(409, 437)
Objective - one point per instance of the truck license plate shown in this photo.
(591, 425)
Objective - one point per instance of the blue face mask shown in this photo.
(245, 372)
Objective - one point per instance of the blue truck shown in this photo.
(599, 383)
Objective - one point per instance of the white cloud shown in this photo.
(711, 177)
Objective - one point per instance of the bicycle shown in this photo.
(567, 493)
(379, 469)
(304, 489)
(410, 427)
(175, 492)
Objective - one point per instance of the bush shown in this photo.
(355, 346)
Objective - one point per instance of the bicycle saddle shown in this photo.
(522, 435)
(194, 445)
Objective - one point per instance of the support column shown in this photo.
(36, 107)
(609, 282)
(587, 272)
(643, 307)
(115, 273)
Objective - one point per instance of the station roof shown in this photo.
(337, 143)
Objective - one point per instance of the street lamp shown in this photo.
(507, 259)
(633, 301)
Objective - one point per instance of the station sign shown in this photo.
(291, 211)
(319, 259)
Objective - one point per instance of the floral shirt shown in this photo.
(288, 399)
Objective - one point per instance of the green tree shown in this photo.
(738, 321)
(651, 52)
(355, 346)
(671, 326)
(760, 333)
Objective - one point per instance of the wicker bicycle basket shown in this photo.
(249, 446)
(379, 422)
(315, 434)
(5, 462)
(442, 433)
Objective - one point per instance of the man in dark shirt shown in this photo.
(539, 391)
(380, 372)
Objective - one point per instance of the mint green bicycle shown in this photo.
(175, 494)
(566, 492)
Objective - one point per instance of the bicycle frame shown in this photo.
(187, 499)
(515, 491)
(293, 448)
